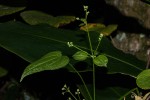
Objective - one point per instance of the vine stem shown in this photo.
(89, 38)
(91, 48)
(82, 81)
(92, 59)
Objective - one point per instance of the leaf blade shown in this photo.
(51, 61)
(7, 10)
(34, 17)
(32, 42)
(109, 93)
(143, 79)
(100, 60)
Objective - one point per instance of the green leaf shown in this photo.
(34, 17)
(101, 60)
(93, 27)
(109, 93)
(80, 56)
(143, 79)
(32, 42)
(109, 29)
(51, 61)
(7, 10)
(3, 72)
(120, 62)
(63, 20)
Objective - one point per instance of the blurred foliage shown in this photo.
(37, 17)
(7, 10)
(3, 72)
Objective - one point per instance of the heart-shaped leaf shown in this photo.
(51, 61)
(34, 17)
(101, 60)
(80, 55)
(143, 79)
(7, 10)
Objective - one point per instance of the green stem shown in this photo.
(94, 87)
(80, 49)
(91, 48)
(97, 45)
(135, 89)
(72, 95)
(99, 41)
(93, 63)
(79, 97)
(82, 81)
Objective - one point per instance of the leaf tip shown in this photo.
(21, 79)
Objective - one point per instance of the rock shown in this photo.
(133, 8)
(135, 44)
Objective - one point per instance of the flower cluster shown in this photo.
(66, 89)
